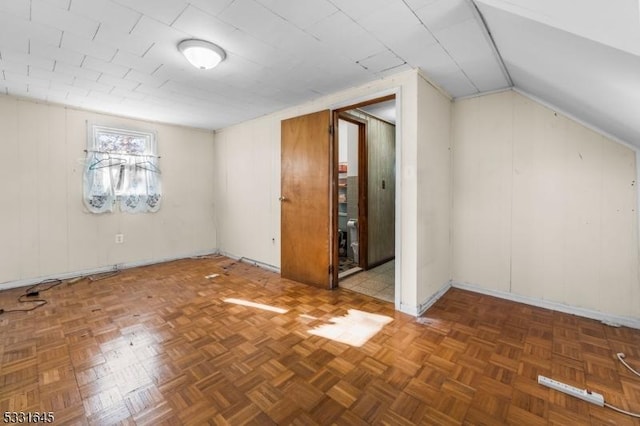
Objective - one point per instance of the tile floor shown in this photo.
(378, 282)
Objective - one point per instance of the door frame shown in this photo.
(336, 112)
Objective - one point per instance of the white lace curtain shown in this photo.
(121, 169)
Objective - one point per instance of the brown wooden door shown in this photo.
(306, 254)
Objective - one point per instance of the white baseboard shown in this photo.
(416, 311)
(257, 263)
(609, 319)
(108, 268)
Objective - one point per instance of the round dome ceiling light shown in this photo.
(202, 54)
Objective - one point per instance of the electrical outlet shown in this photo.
(119, 238)
(584, 394)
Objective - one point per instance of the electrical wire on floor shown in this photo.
(30, 296)
(621, 357)
(619, 410)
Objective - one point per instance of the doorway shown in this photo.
(366, 199)
(352, 194)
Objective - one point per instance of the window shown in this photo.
(121, 169)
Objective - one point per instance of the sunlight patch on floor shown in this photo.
(354, 329)
(256, 305)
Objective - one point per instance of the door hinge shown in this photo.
(330, 269)
(331, 129)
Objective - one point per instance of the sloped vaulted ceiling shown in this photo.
(583, 57)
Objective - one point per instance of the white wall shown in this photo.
(543, 207)
(247, 168)
(348, 146)
(248, 183)
(434, 192)
(44, 226)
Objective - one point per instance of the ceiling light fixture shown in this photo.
(202, 54)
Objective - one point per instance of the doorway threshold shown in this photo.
(349, 272)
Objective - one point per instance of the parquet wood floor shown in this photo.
(159, 345)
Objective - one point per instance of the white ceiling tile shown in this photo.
(445, 13)
(19, 8)
(466, 42)
(418, 4)
(16, 32)
(88, 47)
(412, 43)
(486, 75)
(165, 11)
(32, 60)
(13, 41)
(104, 67)
(16, 67)
(150, 90)
(243, 47)
(457, 84)
(132, 61)
(395, 70)
(347, 37)
(107, 12)
(15, 88)
(202, 25)
(92, 85)
(302, 13)
(38, 48)
(253, 18)
(147, 79)
(37, 92)
(120, 40)
(117, 82)
(60, 4)
(434, 60)
(170, 58)
(72, 90)
(156, 32)
(55, 78)
(25, 79)
(45, 13)
(108, 98)
(390, 23)
(381, 61)
(212, 7)
(359, 9)
(77, 71)
(129, 94)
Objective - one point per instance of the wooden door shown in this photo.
(306, 178)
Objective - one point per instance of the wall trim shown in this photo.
(608, 319)
(108, 268)
(481, 94)
(416, 311)
(249, 261)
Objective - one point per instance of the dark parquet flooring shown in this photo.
(160, 345)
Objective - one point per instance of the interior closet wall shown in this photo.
(381, 146)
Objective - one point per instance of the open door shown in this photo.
(305, 195)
